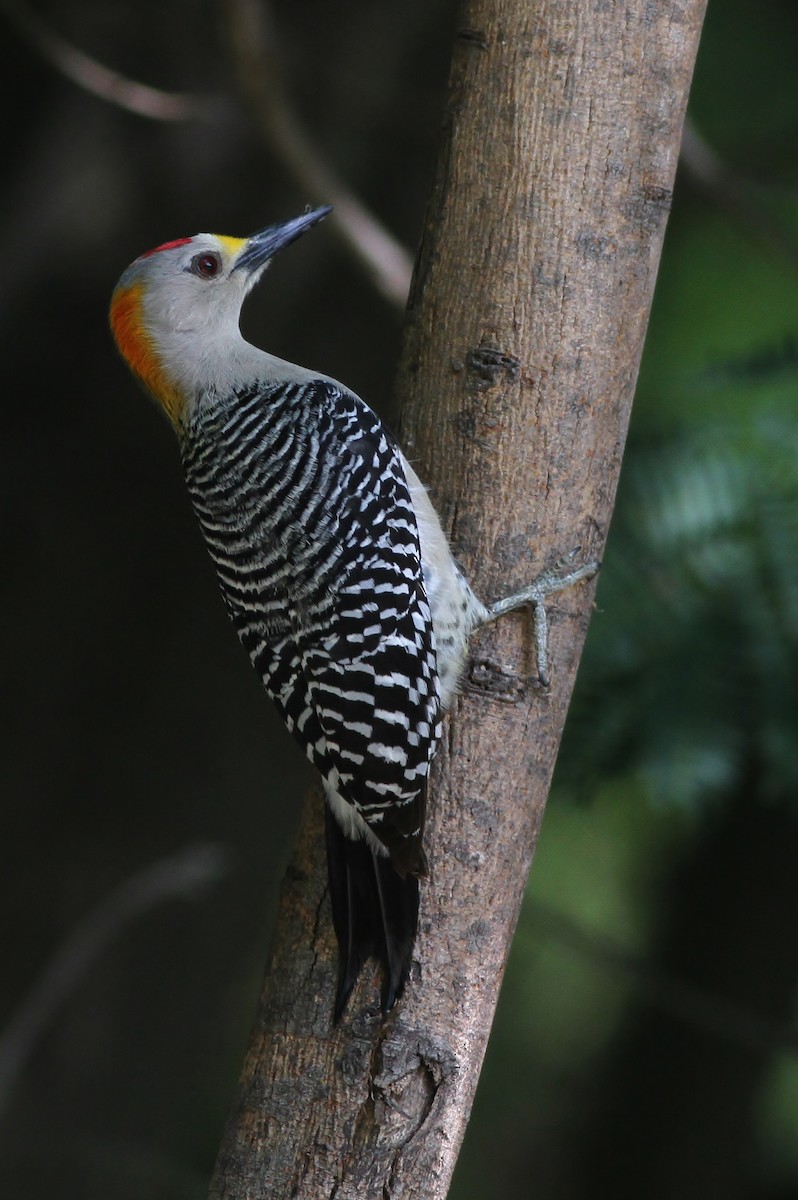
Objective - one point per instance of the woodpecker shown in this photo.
(332, 564)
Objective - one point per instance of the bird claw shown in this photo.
(552, 580)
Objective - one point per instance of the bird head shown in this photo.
(175, 310)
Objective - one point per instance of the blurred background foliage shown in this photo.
(645, 1043)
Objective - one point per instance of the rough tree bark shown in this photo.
(525, 330)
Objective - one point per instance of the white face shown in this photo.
(175, 312)
(192, 287)
(197, 285)
(175, 316)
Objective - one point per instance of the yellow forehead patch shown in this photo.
(136, 347)
(231, 245)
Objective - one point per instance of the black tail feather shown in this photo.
(375, 914)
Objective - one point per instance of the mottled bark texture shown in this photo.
(525, 330)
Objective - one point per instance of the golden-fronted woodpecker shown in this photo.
(332, 563)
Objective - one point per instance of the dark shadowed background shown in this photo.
(646, 1038)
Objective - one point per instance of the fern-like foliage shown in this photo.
(690, 674)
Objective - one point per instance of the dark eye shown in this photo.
(207, 266)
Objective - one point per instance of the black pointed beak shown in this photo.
(264, 245)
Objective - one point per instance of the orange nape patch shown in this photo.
(135, 346)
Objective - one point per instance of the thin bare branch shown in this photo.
(680, 999)
(94, 77)
(184, 875)
(736, 195)
(253, 45)
(387, 262)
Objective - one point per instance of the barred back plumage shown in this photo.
(306, 511)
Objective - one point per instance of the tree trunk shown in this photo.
(526, 326)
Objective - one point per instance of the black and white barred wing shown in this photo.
(367, 721)
(304, 504)
(379, 712)
(370, 659)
